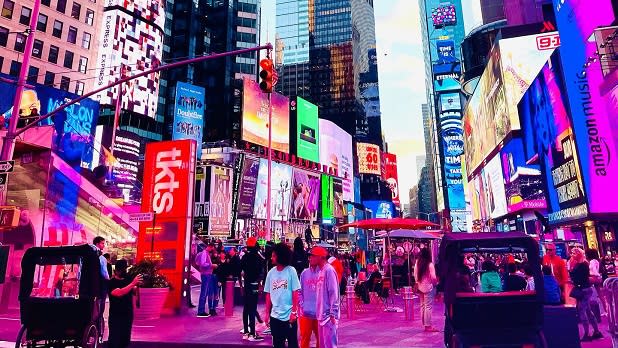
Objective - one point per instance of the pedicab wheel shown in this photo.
(22, 340)
(91, 337)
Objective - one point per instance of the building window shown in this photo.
(79, 88)
(7, 9)
(76, 10)
(4, 36)
(53, 54)
(15, 68)
(49, 78)
(33, 74)
(20, 42)
(89, 16)
(83, 65)
(61, 6)
(46, 2)
(37, 48)
(57, 32)
(86, 40)
(72, 36)
(41, 25)
(68, 59)
(24, 18)
(64, 83)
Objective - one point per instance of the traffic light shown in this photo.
(266, 75)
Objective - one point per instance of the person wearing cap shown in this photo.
(327, 294)
(121, 291)
(308, 320)
(252, 267)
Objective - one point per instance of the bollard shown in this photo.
(408, 303)
(229, 297)
(349, 292)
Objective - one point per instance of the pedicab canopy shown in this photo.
(392, 224)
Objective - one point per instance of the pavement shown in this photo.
(371, 327)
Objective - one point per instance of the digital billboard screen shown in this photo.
(449, 102)
(305, 195)
(338, 205)
(327, 197)
(255, 117)
(446, 51)
(593, 96)
(336, 152)
(248, 184)
(391, 177)
(220, 217)
(307, 130)
(189, 113)
(369, 158)
(444, 15)
(281, 187)
(492, 189)
(381, 209)
(548, 140)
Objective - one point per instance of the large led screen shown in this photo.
(307, 130)
(493, 189)
(548, 140)
(593, 96)
(305, 195)
(248, 184)
(369, 158)
(391, 177)
(336, 152)
(381, 209)
(220, 218)
(327, 197)
(280, 191)
(255, 117)
(188, 112)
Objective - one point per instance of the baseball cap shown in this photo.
(318, 251)
(251, 242)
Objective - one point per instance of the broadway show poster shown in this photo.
(339, 208)
(305, 196)
(189, 113)
(248, 186)
(220, 201)
(280, 191)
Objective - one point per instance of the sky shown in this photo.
(401, 77)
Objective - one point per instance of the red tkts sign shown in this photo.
(390, 175)
(169, 177)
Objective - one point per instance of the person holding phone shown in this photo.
(121, 291)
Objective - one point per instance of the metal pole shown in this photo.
(9, 140)
(7, 148)
(116, 117)
(268, 184)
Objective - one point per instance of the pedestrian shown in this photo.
(490, 279)
(551, 287)
(513, 281)
(327, 294)
(121, 290)
(596, 280)
(98, 244)
(308, 320)
(252, 270)
(425, 277)
(582, 293)
(214, 288)
(299, 258)
(282, 289)
(529, 278)
(204, 264)
(558, 267)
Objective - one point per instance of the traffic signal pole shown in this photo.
(8, 145)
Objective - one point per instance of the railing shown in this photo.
(610, 291)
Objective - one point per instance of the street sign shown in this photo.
(407, 246)
(7, 166)
(3, 179)
(141, 217)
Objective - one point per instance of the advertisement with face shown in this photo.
(336, 152)
(281, 188)
(307, 130)
(248, 184)
(548, 141)
(593, 97)
(220, 201)
(493, 189)
(338, 205)
(189, 112)
(381, 209)
(524, 185)
(255, 117)
(391, 177)
(328, 197)
(305, 195)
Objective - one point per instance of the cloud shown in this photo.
(407, 151)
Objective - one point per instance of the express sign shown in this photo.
(168, 193)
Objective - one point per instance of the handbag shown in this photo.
(577, 293)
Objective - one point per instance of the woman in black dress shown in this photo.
(121, 291)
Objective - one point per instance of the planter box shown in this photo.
(151, 303)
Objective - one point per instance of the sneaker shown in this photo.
(586, 338)
(242, 331)
(597, 335)
(267, 331)
(213, 313)
(256, 338)
(203, 315)
(246, 336)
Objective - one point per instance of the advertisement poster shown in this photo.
(369, 159)
(328, 199)
(338, 205)
(593, 96)
(446, 77)
(255, 117)
(446, 51)
(220, 201)
(74, 127)
(168, 192)
(307, 130)
(449, 102)
(305, 196)
(493, 189)
(391, 177)
(524, 185)
(548, 140)
(189, 112)
(336, 152)
(451, 137)
(281, 188)
(248, 184)
(381, 209)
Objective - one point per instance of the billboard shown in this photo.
(593, 96)
(446, 76)
(168, 193)
(307, 130)
(255, 117)
(130, 44)
(305, 195)
(220, 216)
(524, 184)
(548, 140)
(390, 176)
(328, 197)
(381, 209)
(446, 51)
(336, 152)
(369, 158)
(444, 15)
(74, 127)
(450, 102)
(338, 205)
(189, 113)
(492, 188)
(281, 187)
(248, 185)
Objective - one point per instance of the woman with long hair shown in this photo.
(425, 277)
(121, 291)
(300, 259)
(582, 292)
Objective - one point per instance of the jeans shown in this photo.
(284, 331)
(205, 293)
(584, 311)
(213, 293)
(328, 335)
(308, 326)
(249, 309)
(426, 300)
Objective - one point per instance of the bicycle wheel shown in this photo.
(21, 341)
(91, 337)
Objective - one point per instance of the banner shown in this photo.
(280, 191)
(220, 201)
(305, 196)
(391, 177)
(248, 184)
(189, 113)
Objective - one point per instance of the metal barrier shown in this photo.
(349, 292)
(408, 303)
(610, 291)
